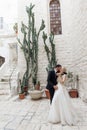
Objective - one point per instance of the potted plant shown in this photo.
(21, 91)
(29, 45)
(34, 43)
(72, 83)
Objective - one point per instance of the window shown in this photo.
(55, 17)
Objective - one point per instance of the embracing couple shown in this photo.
(61, 109)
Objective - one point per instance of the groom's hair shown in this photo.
(58, 66)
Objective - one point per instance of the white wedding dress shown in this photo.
(61, 109)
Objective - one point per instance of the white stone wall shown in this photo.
(71, 46)
(8, 44)
(63, 47)
(79, 42)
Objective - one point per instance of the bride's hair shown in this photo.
(63, 69)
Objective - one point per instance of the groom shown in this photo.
(52, 80)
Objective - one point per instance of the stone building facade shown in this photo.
(71, 46)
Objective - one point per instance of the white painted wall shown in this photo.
(71, 46)
(63, 47)
(79, 43)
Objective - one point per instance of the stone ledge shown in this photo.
(5, 35)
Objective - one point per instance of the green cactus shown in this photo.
(29, 45)
(50, 51)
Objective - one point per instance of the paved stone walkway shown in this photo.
(27, 114)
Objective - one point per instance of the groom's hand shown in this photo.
(55, 87)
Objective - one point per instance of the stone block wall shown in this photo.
(63, 47)
(79, 43)
(71, 46)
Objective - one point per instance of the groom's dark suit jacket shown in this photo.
(51, 81)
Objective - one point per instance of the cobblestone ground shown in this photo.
(27, 114)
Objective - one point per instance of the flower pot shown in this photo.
(26, 90)
(36, 94)
(47, 93)
(21, 95)
(73, 93)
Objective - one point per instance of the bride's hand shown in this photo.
(55, 87)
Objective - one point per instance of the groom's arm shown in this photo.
(49, 80)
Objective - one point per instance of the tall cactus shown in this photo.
(50, 51)
(33, 38)
(30, 45)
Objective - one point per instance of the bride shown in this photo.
(61, 109)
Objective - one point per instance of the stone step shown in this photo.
(4, 85)
(7, 76)
(4, 92)
(4, 88)
(4, 80)
(9, 73)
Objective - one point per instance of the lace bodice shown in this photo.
(62, 78)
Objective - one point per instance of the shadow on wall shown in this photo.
(2, 60)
